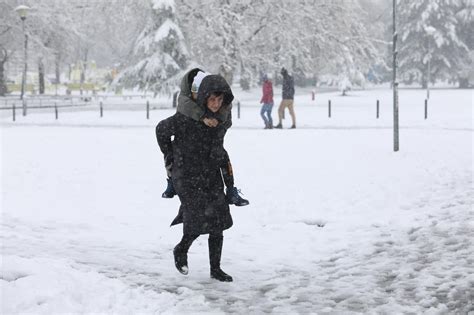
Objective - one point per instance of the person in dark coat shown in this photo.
(188, 107)
(288, 95)
(197, 153)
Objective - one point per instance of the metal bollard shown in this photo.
(147, 109)
(24, 106)
(56, 110)
(101, 110)
(378, 108)
(426, 108)
(329, 108)
(14, 111)
(238, 110)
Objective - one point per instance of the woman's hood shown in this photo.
(211, 84)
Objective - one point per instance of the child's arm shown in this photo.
(189, 108)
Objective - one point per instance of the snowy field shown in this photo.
(337, 222)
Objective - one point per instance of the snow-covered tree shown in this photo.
(378, 17)
(4, 55)
(465, 14)
(115, 29)
(430, 34)
(341, 43)
(53, 34)
(305, 36)
(11, 40)
(218, 32)
(160, 55)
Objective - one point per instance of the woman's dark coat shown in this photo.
(197, 153)
(288, 89)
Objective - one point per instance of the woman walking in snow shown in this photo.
(197, 153)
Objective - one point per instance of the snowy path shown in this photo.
(420, 268)
(84, 230)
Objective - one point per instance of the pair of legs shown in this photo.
(215, 243)
(232, 193)
(266, 113)
(281, 112)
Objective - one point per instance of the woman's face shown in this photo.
(214, 103)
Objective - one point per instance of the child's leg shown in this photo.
(169, 191)
(227, 172)
(232, 193)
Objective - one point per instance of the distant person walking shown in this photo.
(288, 94)
(267, 102)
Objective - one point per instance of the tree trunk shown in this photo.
(245, 78)
(57, 66)
(227, 72)
(293, 64)
(3, 85)
(41, 75)
(463, 83)
(3, 61)
(424, 76)
(424, 81)
(84, 69)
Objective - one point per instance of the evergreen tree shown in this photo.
(465, 14)
(430, 34)
(307, 37)
(160, 55)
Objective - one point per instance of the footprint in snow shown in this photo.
(318, 223)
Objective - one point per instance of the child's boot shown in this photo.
(233, 197)
(169, 192)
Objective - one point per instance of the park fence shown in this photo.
(69, 103)
(101, 103)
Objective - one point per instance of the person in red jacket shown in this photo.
(267, 101)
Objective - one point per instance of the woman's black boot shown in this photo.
(181, 260)
(215, 251)
(180, 253)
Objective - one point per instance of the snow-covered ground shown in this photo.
(337, 221)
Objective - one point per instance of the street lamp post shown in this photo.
(22, 11)
(430, 30)
(396, 141)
